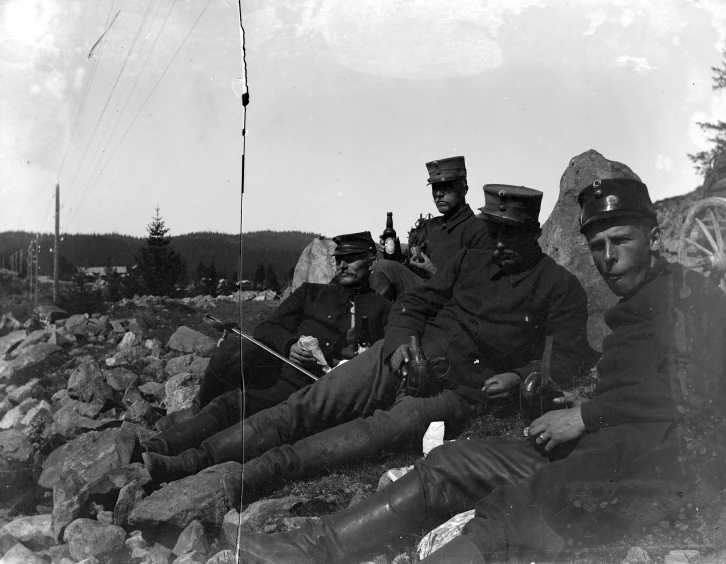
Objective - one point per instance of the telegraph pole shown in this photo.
(56, 246)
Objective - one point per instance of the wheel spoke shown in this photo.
(699, 247)
(708, 235)
(716, 228)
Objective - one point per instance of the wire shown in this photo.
(149, 96)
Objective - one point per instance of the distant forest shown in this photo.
(277, 249)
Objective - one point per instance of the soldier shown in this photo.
(626, 459)
(332, 313)
(457, 228)
(488, 312)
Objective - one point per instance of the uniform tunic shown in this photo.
(444, 238)
(655, 439)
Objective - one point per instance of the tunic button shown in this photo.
(327, 344)
(330, 316)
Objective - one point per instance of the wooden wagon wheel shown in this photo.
(701, 244)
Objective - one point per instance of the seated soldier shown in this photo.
(626, 459)
(443, 237)
(332, 313)
(488, 312)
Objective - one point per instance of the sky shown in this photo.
(348, 100)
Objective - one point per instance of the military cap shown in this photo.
(445, 170)
(614, 197)
(352, 243)
(515, 205)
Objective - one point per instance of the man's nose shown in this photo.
(611, 254)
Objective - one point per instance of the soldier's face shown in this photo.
(623, 252)
(448, 195)
(511, 243)
(352, 270)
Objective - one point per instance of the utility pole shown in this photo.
(56, 247)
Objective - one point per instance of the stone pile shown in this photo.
(76, 446)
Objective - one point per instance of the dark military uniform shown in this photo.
(323, 311)
(485, 321)
(655, 431)
(445, 237)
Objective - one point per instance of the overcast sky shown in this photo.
(348, 100)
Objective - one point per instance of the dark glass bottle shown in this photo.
(389, 241)
(364, 337)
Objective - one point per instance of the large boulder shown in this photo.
(33, 531)
(11, 340)
(316, 263)
(561, 238)
(30, 355)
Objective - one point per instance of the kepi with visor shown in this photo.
(354, 243)
(511, 205)
(446, 170)
(614, 197)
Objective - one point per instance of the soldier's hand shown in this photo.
(570, 400)
(426, 267)
(557, 427)
(300, 356)
(501, 385)
(400, 356)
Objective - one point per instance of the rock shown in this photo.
(153, 391)
(158, 554)
(15, 450)
(19, 554)
(135, 540)
(6, 542)
(10, 341)
(443, 534)
(636, 555)
(316, 263)
(8, 324)
(128, 497)
(26, 357)
(120, 378)
(129, 340)
(86, 537)
(154, 368)
(5, 406)
(87, 383)
(32, 339)
(23, 392)
(92, 455)
(154, 347)
(141, 413)
(59, 553)
(258, 514)
(33, 531)
(57, 338)
(190, 558)
(68, 423)
(200, 497)
(38, 422)
(188, 340)
(16, 414)
(561, 238)
(179, 364)
(223, 557)
(230, 527)
(392, 475)
(681, 557)
(119, 359)
(180, 391)
(199, 366)
(193, 539)
(131, 395)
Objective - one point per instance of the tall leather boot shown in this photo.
(176, 417)
(190, 433)
(393, 517)
(331, 448)
(224, 446)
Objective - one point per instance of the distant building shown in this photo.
(101, 272)
(245, 285)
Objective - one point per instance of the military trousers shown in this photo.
(363, 388)
(530, 504)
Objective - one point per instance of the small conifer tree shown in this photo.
(159, 266)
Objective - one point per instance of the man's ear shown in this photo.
(655, 237)
(373, 262)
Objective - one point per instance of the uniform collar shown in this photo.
(460, 215)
